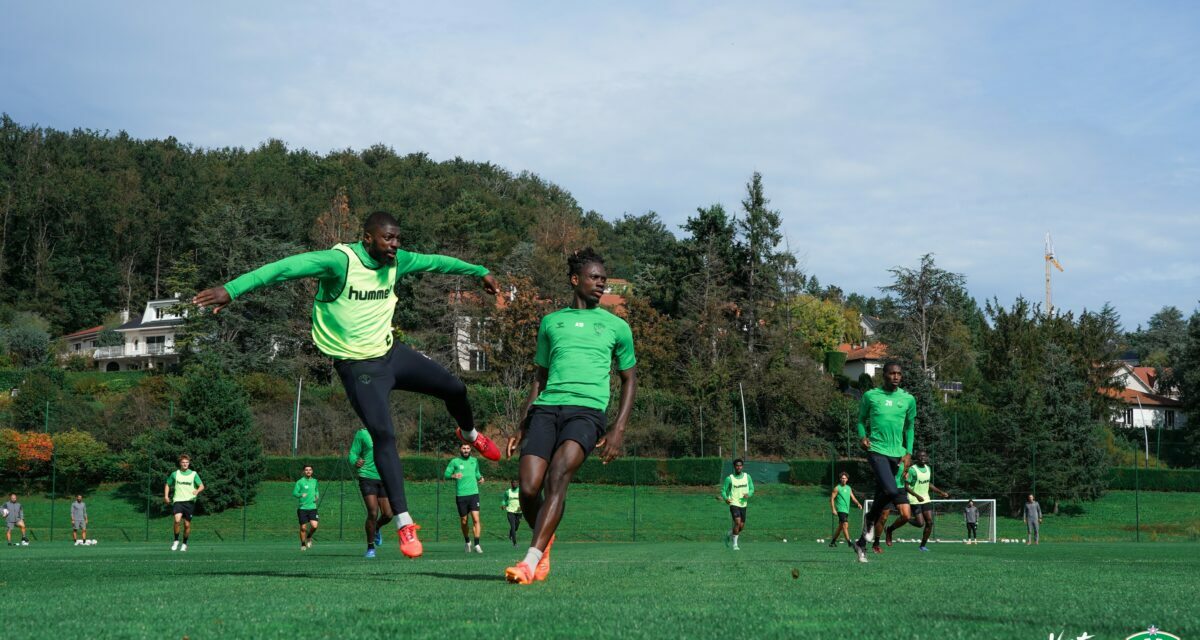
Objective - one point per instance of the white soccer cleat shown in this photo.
(183, 547)
(469, 549)
(78, 542)
(736, 548)
(860, 553)
(24, 543)
(478, 549)
(869, 535)
(308, 545)
(175, 546)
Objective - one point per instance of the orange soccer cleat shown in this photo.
(519, 573)
(410, 546)
(543, 566)
(482, 444)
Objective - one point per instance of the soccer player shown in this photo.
(736, 491)
(918, 481)
(465, 470)
(374, 495)
(79, 521)
(890, 412)
(564, 416)
(1033, 521)
(15, 518)
(971, 516)
(308, 495)
(511, 504)
(839, 503)
(187, 486)
(352, 323)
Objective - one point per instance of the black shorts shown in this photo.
(885, 468)
(306, 515)
(738, 512)
(372, 487)
(549, 426)
(843, 517)
(922, 507)
(467, 504)
(185, 508)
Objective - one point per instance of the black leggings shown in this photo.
(368, 385)
(514, 522)
(972, 528)
(886, 491)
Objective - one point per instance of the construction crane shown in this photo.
(1050, 260)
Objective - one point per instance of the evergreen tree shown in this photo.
(213, 425)
(1189, 386)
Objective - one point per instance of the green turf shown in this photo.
(603, 513)
(602, 590)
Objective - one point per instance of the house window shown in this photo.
(1169, 420)
(1129, 417)
(478, 360)
(155, 344)
(78, 346)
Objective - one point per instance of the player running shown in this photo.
(187, 486)
(379, 510)
(308, 496)
(839, 503)
(564, 416)
(465, 471)
(511, 505)
(971, 517)
(79, 521)
(352, 323)
(917, 482)
(890, 412)
(736, 491)
(14, 516)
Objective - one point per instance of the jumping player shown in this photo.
(917, 482)
(352, 323)
(736, 491)
(187, 486)
(564, 417)
(308, 496)
(511, 505)
(379, 510)
(465, 471)
(890, 412)
(839, 503)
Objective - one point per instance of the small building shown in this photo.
(82, 342)
(863, 358)
(1144, 403)
(149, 339)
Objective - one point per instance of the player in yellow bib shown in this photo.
(187, 486)
(736, 491)
(918, 481)
(352, 323)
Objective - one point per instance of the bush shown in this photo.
(24, 457)
(81, 461)
(1128, 478)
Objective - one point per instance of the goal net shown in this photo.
(949, 523)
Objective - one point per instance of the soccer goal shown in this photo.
(949, 524)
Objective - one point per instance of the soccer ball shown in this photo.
(785, 539)
(4, 512)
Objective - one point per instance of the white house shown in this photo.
(82, 341)
(866, 358)
(149, 339)
(1143, 402)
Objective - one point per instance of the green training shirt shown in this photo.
(184, 485)
(363, 447)
(468, 484)
(512, 500)
(842, 501)
(738, 489)
(891, 417)
(352, 311)
(918, 480)
(311, 494)
(577, 347)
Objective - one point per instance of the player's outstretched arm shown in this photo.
(329, 263)
(615, 437)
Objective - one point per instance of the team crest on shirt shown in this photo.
(598, 328)
(559, 325)
(364, 378)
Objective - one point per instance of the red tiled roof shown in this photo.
(83, 332)
(873, 351)
(1148, 375)
(1132, 397)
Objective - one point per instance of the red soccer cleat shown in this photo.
(877, 550)
(889, 537)
(410, 546)
(543, 566)
(483, 445)
(519, 573)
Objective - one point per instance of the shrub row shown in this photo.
(1123, 478)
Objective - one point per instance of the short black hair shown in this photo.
(307, 466)
(738, 461)
(379, 219)
(576, 261)
(892, 363)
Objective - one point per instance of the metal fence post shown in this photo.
(635, 494)
(53, 471)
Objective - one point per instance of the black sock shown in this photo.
(476, 541)
(185, 539)
(467, 539)
(177, 537)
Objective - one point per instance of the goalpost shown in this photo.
(949, 524)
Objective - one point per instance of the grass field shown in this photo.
(678, 580)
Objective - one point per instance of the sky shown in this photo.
(883, 130)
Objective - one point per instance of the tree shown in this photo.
(759, 266)
(1162, 342)
(29, 407)
(822, 324)
(924, 323)
(212, 424)
(80, 460)
(510, 341)
(654, 339)
(1189, 384)
(24, 456)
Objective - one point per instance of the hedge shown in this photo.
(1123, 478)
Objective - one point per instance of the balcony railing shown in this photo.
(127, 351)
